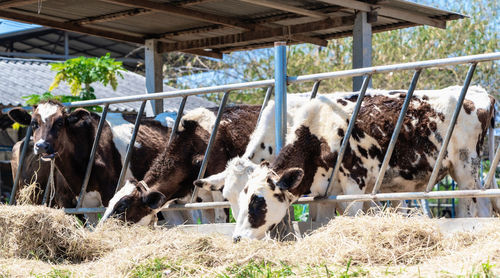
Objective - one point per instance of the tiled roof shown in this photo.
(21, 77)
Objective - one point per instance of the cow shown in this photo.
(67, 137)
(305, 163)
(173, 172)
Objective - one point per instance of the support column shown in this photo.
(154, 76)
(280, 78)
(66, 45)
(362, 47)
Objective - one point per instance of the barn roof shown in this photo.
(213, 27)
(21, 77)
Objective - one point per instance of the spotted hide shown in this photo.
(306, 162)
(68, 138)
(174, 171)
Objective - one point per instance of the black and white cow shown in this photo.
(306, 162)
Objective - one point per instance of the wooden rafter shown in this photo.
(185, 12)
(109, 17)
(386, 11)
(288, 8)
(212, 54)
(34, 18)
(15, 3)
(248, 37)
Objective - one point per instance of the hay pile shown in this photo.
(377, 244)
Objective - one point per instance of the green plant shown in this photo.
(262, 269)
(54, 273)
(152, 268)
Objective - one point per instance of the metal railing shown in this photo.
(226, 89)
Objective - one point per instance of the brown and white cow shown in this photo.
(173, 172)
(305, 163)
(68, 137)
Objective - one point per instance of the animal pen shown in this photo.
(280, 84)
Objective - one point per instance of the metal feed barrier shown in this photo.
(279, 83)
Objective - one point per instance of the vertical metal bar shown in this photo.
(347, 135)
(396, 131)
(493, 167)
(266, 100)
(280, 79)
(131, 145)
(449, 132)
(314, 90)
(178, 119)
(453, 185)
(211, 141)
(90, 164)
(26, 143)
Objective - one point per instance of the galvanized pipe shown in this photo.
(177, 119)
(130, 146)
(211, 141)
(451, 127)
(396, 131)
(90, 164)
(280, 79)
(269, 91)
(26, 143)
(476, 193)
(314, 90)
(347, 136)
(493, 166)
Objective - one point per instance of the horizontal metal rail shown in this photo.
(488, 193)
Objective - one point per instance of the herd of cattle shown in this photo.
(245, 169)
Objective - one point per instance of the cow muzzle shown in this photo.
(45, 149)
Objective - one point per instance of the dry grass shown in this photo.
(376, 245)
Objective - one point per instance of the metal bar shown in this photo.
(266, 100)
(26, 143)
(449, 132)
(280, 93)
(130, 146)
(396, 131)
(453, 186)
(476, 193)
(314, 90)
(493, 167)
(90, 164)
(177, 119)
(290, 80)
(347, 135)
(211, 141)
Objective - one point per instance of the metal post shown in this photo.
(280, 79)
(453, 185)
(396, 131)
(361, 46)
(178, 119)
(90, 164)
(130, 146)
(266, 100)
(347, 135)
(449, 132)
(211, 141)
(26, 143)
(314, 90)
(154, 73)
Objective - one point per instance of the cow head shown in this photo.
(50, 123)
(231, 181)
(264, 201)
(170, 176)
(135, 203)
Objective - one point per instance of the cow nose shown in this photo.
(42, 147)
(236, 239)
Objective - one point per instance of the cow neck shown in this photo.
(304, 153)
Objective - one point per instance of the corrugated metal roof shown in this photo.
(21, 77)
(220, 26)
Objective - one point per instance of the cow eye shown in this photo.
(59, 123)
(34, 124)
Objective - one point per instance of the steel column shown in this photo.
(449, 132)
(26, 143)
(130, 146)
(347, 136)
(361, 46)
(90, 164)
(211, 141)
(153, 60)
(396, 131)
(269, 91)
(280, 80)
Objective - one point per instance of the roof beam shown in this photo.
(286, 7)
(200, 52)
(15, 3)
(386, 11)
(36, 19)
(109, 17)
(184, 12)
(246, 37)
(308, 39)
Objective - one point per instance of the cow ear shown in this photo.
(290, 179)
(77, 115)
(154, 199)
(212, 183)
(264, 163)
(188, 125)
(19, 115)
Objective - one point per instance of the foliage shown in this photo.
(262, 269)
(55, 273)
